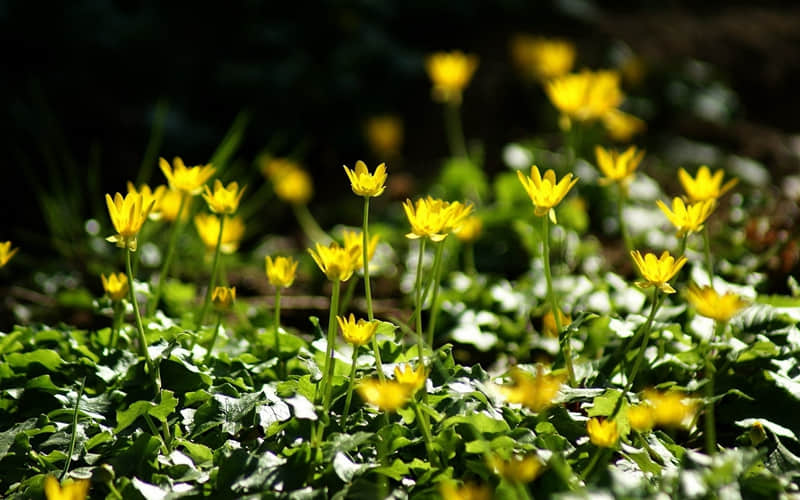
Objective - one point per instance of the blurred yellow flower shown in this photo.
(365, 184)
(356, 333)
(657, 271)
(353, 241)
(185, 179)
(293, 186)
(75, 490)
(338, 263)
(602, 433)
(127, 215)
(517, 469)
(641, 417)
(434, 218)
(223, 297)
(704, 186)
(150, 196)
(545, 192)
(207, 226)
(687, 219)
(671, 408)
(384, 134)
(549, 323)
(6, 252)
(713, 305)
(450, 73)
(618, 167)
(170, 204)
(281, 271)
(542, 58)
(585, 96)
(115, 285)
(223, 200)
(535, 392)
(471, 229)
(415, 379)
(468, 491)
(622, 126)
(388, 395)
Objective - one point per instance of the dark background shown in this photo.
(82, 80)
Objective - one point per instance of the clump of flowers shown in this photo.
(535, 392)
(208, 228)
(223, 199)
(187, 180)
(664, 409)
(115, 285)
(618, 167)
(291, 183)
(72, 490)
(544, 191)
(704, 186)
(712, 305)
(542, 58)
(517, 469)
(150, 197)
(450, 73)
(127, 215)
(602, 433)
(280, 271)
(585, 96)
(689, 218)
(467, 491)
(657, 271)
(389, 395)
(384, 134)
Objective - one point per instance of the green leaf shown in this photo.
(482, 422)
(45, 357)
(159, 411)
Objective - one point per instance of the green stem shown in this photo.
(213, 339)
(74, 430)
(522, 491)
(593, 463)
(455, 133)
(344, 304)
(564, 336)
(710, 426)
(643, 347)
(709, 258)
(418, 290)
(154, 432)
(437, 271)
(469, 259)
(213, 276)
(350, 386)
(309, 225)
(426, 435)
(152, 368)
(277, 322)
(329, 351)
(623, 227)
(368, 288)
(173, 241)
(115, 324)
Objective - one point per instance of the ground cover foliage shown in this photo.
(672, 375)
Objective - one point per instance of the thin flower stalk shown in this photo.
(424, 427)
(116, 323)
(350, 383)
(173, 241)
(368, 288)
(327, 373)
(74, 430)
(151, 367)
(418, 292)
(455, 129)
(563, 336)
(436, 277)
(709, 421)
(213, 338)
(655, 304)
(709, 258)
(213, 277)
(623, 226)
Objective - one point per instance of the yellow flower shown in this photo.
(338, 263)
(545, 192)
(150, 196)
(687, 219)
(415, 379)
(223, 200)
(281, 271)
(75, 490)
(621, 126)
(223, 297)
(365, 184)
(435, 218)
(713, 305)
(585, 96)
(468, 491)
(704, 186)
(450, 73)
(671, 408)
(542, 58)
(170, 204)
(384, 134)
(657, 271)
(353, 241)
(535, 392)
(185, 179)
(388, 395)
(293, 186)
(6, 252)
(517, 469)
(602, 433)
(356, 333)
(618, 167)
(127, 214)
(208, 229)
(116, 285)
(641, 417)
(471, 229)
(549, 323)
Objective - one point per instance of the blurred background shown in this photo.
(95, 91)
